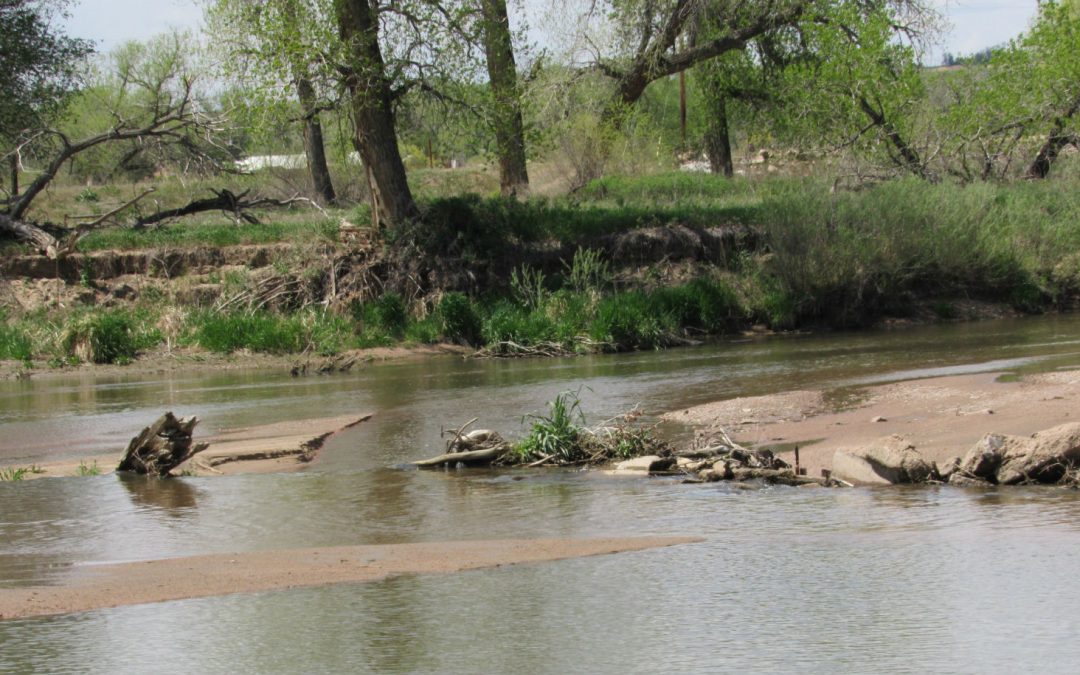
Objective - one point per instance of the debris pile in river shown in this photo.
(559, 438)
(722, 459)
(162, 446)
(480, 447)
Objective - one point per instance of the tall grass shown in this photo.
(852, 257)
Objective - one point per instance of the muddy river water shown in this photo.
(862, 580)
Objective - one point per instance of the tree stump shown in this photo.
(162, 446)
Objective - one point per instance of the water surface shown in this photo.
(894, 580)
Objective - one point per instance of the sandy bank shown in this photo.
(276, 447)
(942, 416)
(101, 586)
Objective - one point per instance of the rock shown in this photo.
(1044, 458)
(887, 461)
(878, 419)
(984, 458)
(646, 464)
(946, 470)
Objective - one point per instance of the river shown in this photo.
(895, 580)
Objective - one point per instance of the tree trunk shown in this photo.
(502, 71)
(718, 139)
(1057, 141)
(373, 117)
(908, 156)
(314, 146)
(42, 240)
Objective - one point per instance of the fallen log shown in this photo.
(162, 446)
(485, 456)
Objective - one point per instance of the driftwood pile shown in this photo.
(725, 460)
(480, 447)
(162, 446)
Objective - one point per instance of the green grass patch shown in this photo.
(320, 332)
(15, 342)
(110, 336)
(187, 235)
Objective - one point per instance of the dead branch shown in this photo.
(235, 205)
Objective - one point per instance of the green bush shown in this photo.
(15, 343)
(458, 318)
(114, 336)
(259, 332)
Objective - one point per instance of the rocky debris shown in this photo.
(1047, 457)
(162, 446)
(887, 461)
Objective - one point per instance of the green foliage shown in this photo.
(320, 332)
(588, 272)
(458, 318)
(557, 434)
(91, 469)
(40, 64)
(13, 473)
(112, 336)
(209, 234)
(527, 286)
(15, 343)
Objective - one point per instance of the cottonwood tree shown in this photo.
(39, 70)
(147, 100)
(273, 47)
(507, 117)
(852, 81)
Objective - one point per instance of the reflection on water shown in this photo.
(895, 580)
(176, 497)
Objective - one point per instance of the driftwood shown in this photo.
(484, 456)
(482, 446)
(162, 446)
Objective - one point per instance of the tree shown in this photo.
(371, 100)
(1030, 89)
(39, 69)
(650, 45)
(268, 43)
(507, 119)
(148, 101)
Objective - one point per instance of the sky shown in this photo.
(975, 24)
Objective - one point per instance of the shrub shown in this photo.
(15, 343)
(114, 336)
(458, 318)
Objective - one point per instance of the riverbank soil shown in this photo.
(943, 417)
(101, 586)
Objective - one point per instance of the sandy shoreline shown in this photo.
(102, 586)
(942, 416)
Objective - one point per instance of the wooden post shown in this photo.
(797, 471)
(826, 474)
(682, 107)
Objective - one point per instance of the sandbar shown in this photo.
(101, 586)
